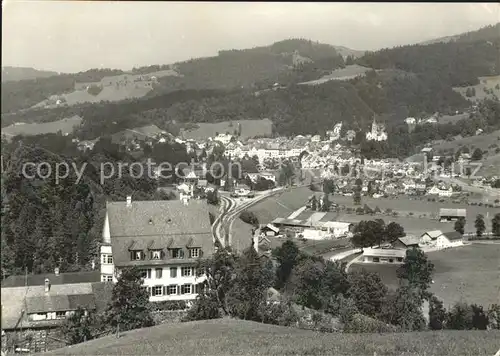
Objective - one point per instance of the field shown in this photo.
(241, 235)
(249, 128)
(403, 205)
(281, 205)
(447, 119)
(111, 91)
(66, 125)
(349, 72)
(236, 337)
(469, 273)
(480, 141)
(488, 83)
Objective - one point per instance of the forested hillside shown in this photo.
(17, 95)
(48, 223)
(24, 73)
(453, 63)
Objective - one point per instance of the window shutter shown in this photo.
(200, 253)
(178, 289)
(162, 254)
(181, 253)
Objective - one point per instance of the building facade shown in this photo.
(164, 239)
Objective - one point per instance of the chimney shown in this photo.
(47, 285)
(129, 201)
(56, 271)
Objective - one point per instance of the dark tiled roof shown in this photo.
(453, 212)
(162, 224)
(62, 297)
(453, 235)
(62, 278)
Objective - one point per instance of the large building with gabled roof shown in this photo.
(165, 239)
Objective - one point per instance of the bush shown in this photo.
(205, 307)
(278, 314)
(364, 324)
(169, 305)
(250, 218)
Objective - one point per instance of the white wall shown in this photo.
(106, 268)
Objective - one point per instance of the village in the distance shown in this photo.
(328, 207)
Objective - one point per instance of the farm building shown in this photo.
(451, 214)
(270, 230)
(316, 225)
(440, 239)
(383, 255)
(406, 242)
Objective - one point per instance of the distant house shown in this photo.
(406, 242)
(439, 239)
(270, 230)
(451, 214)
(46, 306)
(382, 255)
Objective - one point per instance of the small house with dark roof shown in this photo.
(165, 239)
(46, 306)
(440, 239)
(405, 242)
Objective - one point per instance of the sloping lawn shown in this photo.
(236, 337)
(469, 273)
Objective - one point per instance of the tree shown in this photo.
(356, 197)
(314, 203)
(253, 277)
(495, 225)
(460, 225)
(288, 256)
(459, 317)
(437, 314)
(81, 326)
(404, 309)
(369, 233)
(480, 225)
(328, 186)
(219, 270)
(367, 291)
(416, 270)
(394, 231)
(286, 174)
(325, 204)
(477, 155)
(129, 307)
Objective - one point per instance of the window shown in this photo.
(106, 259)
(156, 254)
(172, 289)
(177, 253)
(194, 252)
(376, 259)
(107, 278)
(391, 260)
(173, 272)
(60, 314)
(156, 291)
(400, 259)
(146, 273)
(158, 272)
(136, 255)
(186, 271)
(186, 289)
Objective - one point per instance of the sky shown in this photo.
(72, 36)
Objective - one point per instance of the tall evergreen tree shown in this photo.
(129, 307)
(480, 225)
